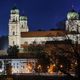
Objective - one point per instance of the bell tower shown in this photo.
(73, 26)
(14, 27)
(23, 24)
(73, 22)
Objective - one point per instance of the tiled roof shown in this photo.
(43, 33)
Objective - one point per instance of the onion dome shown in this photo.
(72, 15)
(14, 10)
(22, 18)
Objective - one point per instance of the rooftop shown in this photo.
(43, 33)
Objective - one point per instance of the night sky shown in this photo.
(42, 14)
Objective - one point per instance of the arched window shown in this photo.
(22, 26)
(13, 19)
(13, 42)
(16, 18)
(13, 33)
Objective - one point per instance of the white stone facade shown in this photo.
(40, 40)
(73, 25)
(18, 24)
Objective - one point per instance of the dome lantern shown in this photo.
(14, 10)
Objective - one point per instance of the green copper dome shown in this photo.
(23, 18)
(73, 15)
(15, 10)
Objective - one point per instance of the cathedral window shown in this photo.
(13, 18)
(22, 26)
(13, 33)
(43, 42)
(16, 18)
(13, 42)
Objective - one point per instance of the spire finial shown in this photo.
(23, 12)
(73, 10)
(14, 4)
(72, 6)
(14, 7)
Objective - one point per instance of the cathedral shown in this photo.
(19, 33)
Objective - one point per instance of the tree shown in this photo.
(55, 51)
(65, 55)
(63, 62)
(37, 51)
(13, 50)
(25, 47)
(8, 67)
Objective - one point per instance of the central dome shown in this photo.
(73, 15)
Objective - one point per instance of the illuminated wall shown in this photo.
(21, 66)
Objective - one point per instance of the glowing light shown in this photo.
(51, 68)
(25, 68)
(61, 66)
(39, 66)
(30, 67)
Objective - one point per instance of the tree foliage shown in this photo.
(12, 51)
(65, 55)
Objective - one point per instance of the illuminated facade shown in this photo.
(17, 24)
(19, 31)
(17, 66)
(73, 26)
(21, 66)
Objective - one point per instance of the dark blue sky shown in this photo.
(42, 14)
